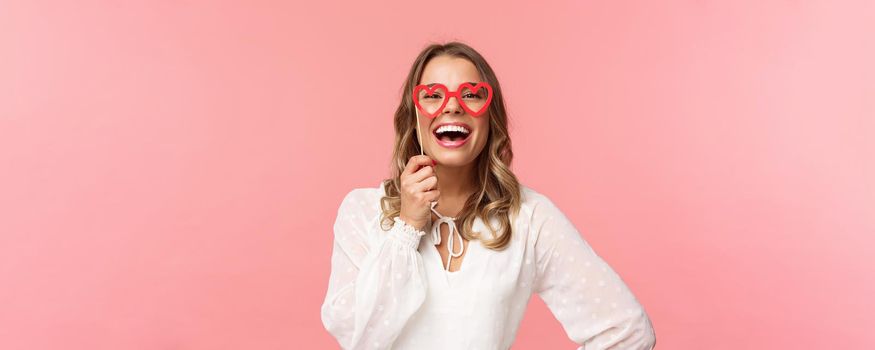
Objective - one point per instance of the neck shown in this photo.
(455, 182)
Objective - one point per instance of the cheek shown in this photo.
(483, 128)
(482, 136)
(424, 125)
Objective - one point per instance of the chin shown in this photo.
(455, 160)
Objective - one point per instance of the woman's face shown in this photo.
(450, 149)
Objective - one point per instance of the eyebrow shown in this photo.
(470, 82)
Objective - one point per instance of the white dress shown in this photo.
(390, 289)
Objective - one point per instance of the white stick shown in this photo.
(422, 152)
(419, 134)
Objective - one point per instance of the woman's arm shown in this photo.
(593, 304)
(377, 280)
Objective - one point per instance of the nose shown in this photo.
(453, 106)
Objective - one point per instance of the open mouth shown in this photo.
(451, 136)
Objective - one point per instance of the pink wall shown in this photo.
(171, 170)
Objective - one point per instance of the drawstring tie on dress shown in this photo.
(436, 234)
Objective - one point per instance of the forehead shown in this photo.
(450, 71)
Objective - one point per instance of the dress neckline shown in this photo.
(452, 233)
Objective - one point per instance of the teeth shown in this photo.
(445, 128)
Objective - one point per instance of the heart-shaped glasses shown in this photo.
(431, 100)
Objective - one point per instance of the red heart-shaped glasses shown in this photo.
(432, 104)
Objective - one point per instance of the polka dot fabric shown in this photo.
(389, 290)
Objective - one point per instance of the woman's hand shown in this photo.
(417, 191)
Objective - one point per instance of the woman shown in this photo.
(466, 284)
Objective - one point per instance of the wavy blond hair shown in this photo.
(499, 190)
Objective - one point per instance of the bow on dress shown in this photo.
(436, 234)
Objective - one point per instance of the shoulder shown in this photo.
(357, 214)
(535, 203)
(362, 202)
(362, 199)
(529, 195)
(541, 216)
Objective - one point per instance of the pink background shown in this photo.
(171, 170)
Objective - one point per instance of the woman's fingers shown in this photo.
(426, 185)
(417, 190)
(432, 196)
(415, 162)
(422, 174)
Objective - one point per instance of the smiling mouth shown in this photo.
(451, 139)
(451, 136)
